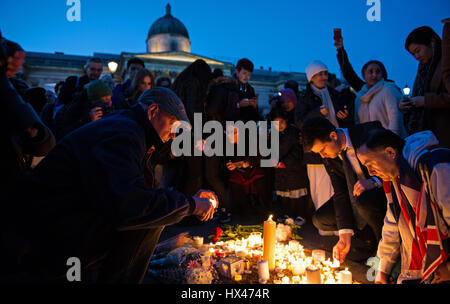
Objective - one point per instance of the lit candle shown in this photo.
(285, 280)
(336, 264)
(296, 279)
(345, 277)
(318, 256)
(263, 270)
(270, 228)
(198, 241)
(238, 278)
(298, 268)
(313, 275)
(294, 245)
(219, 253)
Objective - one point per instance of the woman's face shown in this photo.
(146, 83)
(421, 52)
(320, 79)
(372, 74)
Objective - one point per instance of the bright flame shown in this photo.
(270, 217)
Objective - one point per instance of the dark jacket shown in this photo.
(89, 190)
(223, 96)
(292, 177)
(348, 72)
(344, 178)
(120, 93)
(17, 146)
(309, 106)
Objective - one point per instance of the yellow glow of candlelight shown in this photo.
(270, 217)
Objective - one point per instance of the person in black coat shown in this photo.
(290, 182)
(89, 198)
(358, 199)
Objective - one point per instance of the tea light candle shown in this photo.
(294, 245)
(318, 256)
(238, 278)
(313, 275)
(263, 270)
(270, 228)
(285, 280)
(298, 268)
(296, 279)
(345, 277)
(198, 241)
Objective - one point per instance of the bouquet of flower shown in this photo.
(201, 271)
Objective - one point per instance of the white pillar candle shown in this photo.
(263, 270)
(345, 277)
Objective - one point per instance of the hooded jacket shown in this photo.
(397, 239)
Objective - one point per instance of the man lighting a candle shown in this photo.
(416, 174)
(358, 202)
(89, 199)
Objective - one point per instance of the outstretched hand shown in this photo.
(206, 203)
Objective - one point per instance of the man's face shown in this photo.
(133, 69)
(381, 162)
(162, 122)
(243, 75)
(94, 70)
(327, 149)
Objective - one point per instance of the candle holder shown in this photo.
(318, 256)
(231, 266)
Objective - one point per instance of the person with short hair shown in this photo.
(123, 90)
(415, 173)
(91, 199)
(358, 197)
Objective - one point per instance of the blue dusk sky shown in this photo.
(284, 35)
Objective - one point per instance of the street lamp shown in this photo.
(406, 90)
(112, 65)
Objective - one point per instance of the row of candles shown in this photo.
(272, 256)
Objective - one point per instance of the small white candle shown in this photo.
(345, 277)
(198, 241)
(298, 268)
(318, 256)
(313, 275)
(294, 245)
(296, 279)
(285, 280)
(263, 270)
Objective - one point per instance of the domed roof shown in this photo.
(168, 24)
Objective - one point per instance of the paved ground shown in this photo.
(311, 240)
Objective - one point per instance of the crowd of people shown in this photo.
(90, 171)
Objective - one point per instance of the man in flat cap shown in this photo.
(88, 199)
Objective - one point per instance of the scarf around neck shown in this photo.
(327, 102)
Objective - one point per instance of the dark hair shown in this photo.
(58, 86)
(135, 61)
(380, 64)
(161, 80)
(317, 128)
(383, 138)
(94, 59)
(140, 75)
(217, 73)
(422, 35)
(293, 85)
(244, 63)
(198, 71)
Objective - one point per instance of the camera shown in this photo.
(106, 109)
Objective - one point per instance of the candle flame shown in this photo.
(270, 217)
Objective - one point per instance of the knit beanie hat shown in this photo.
(315, 67)
(98, 89)
(289, 94)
